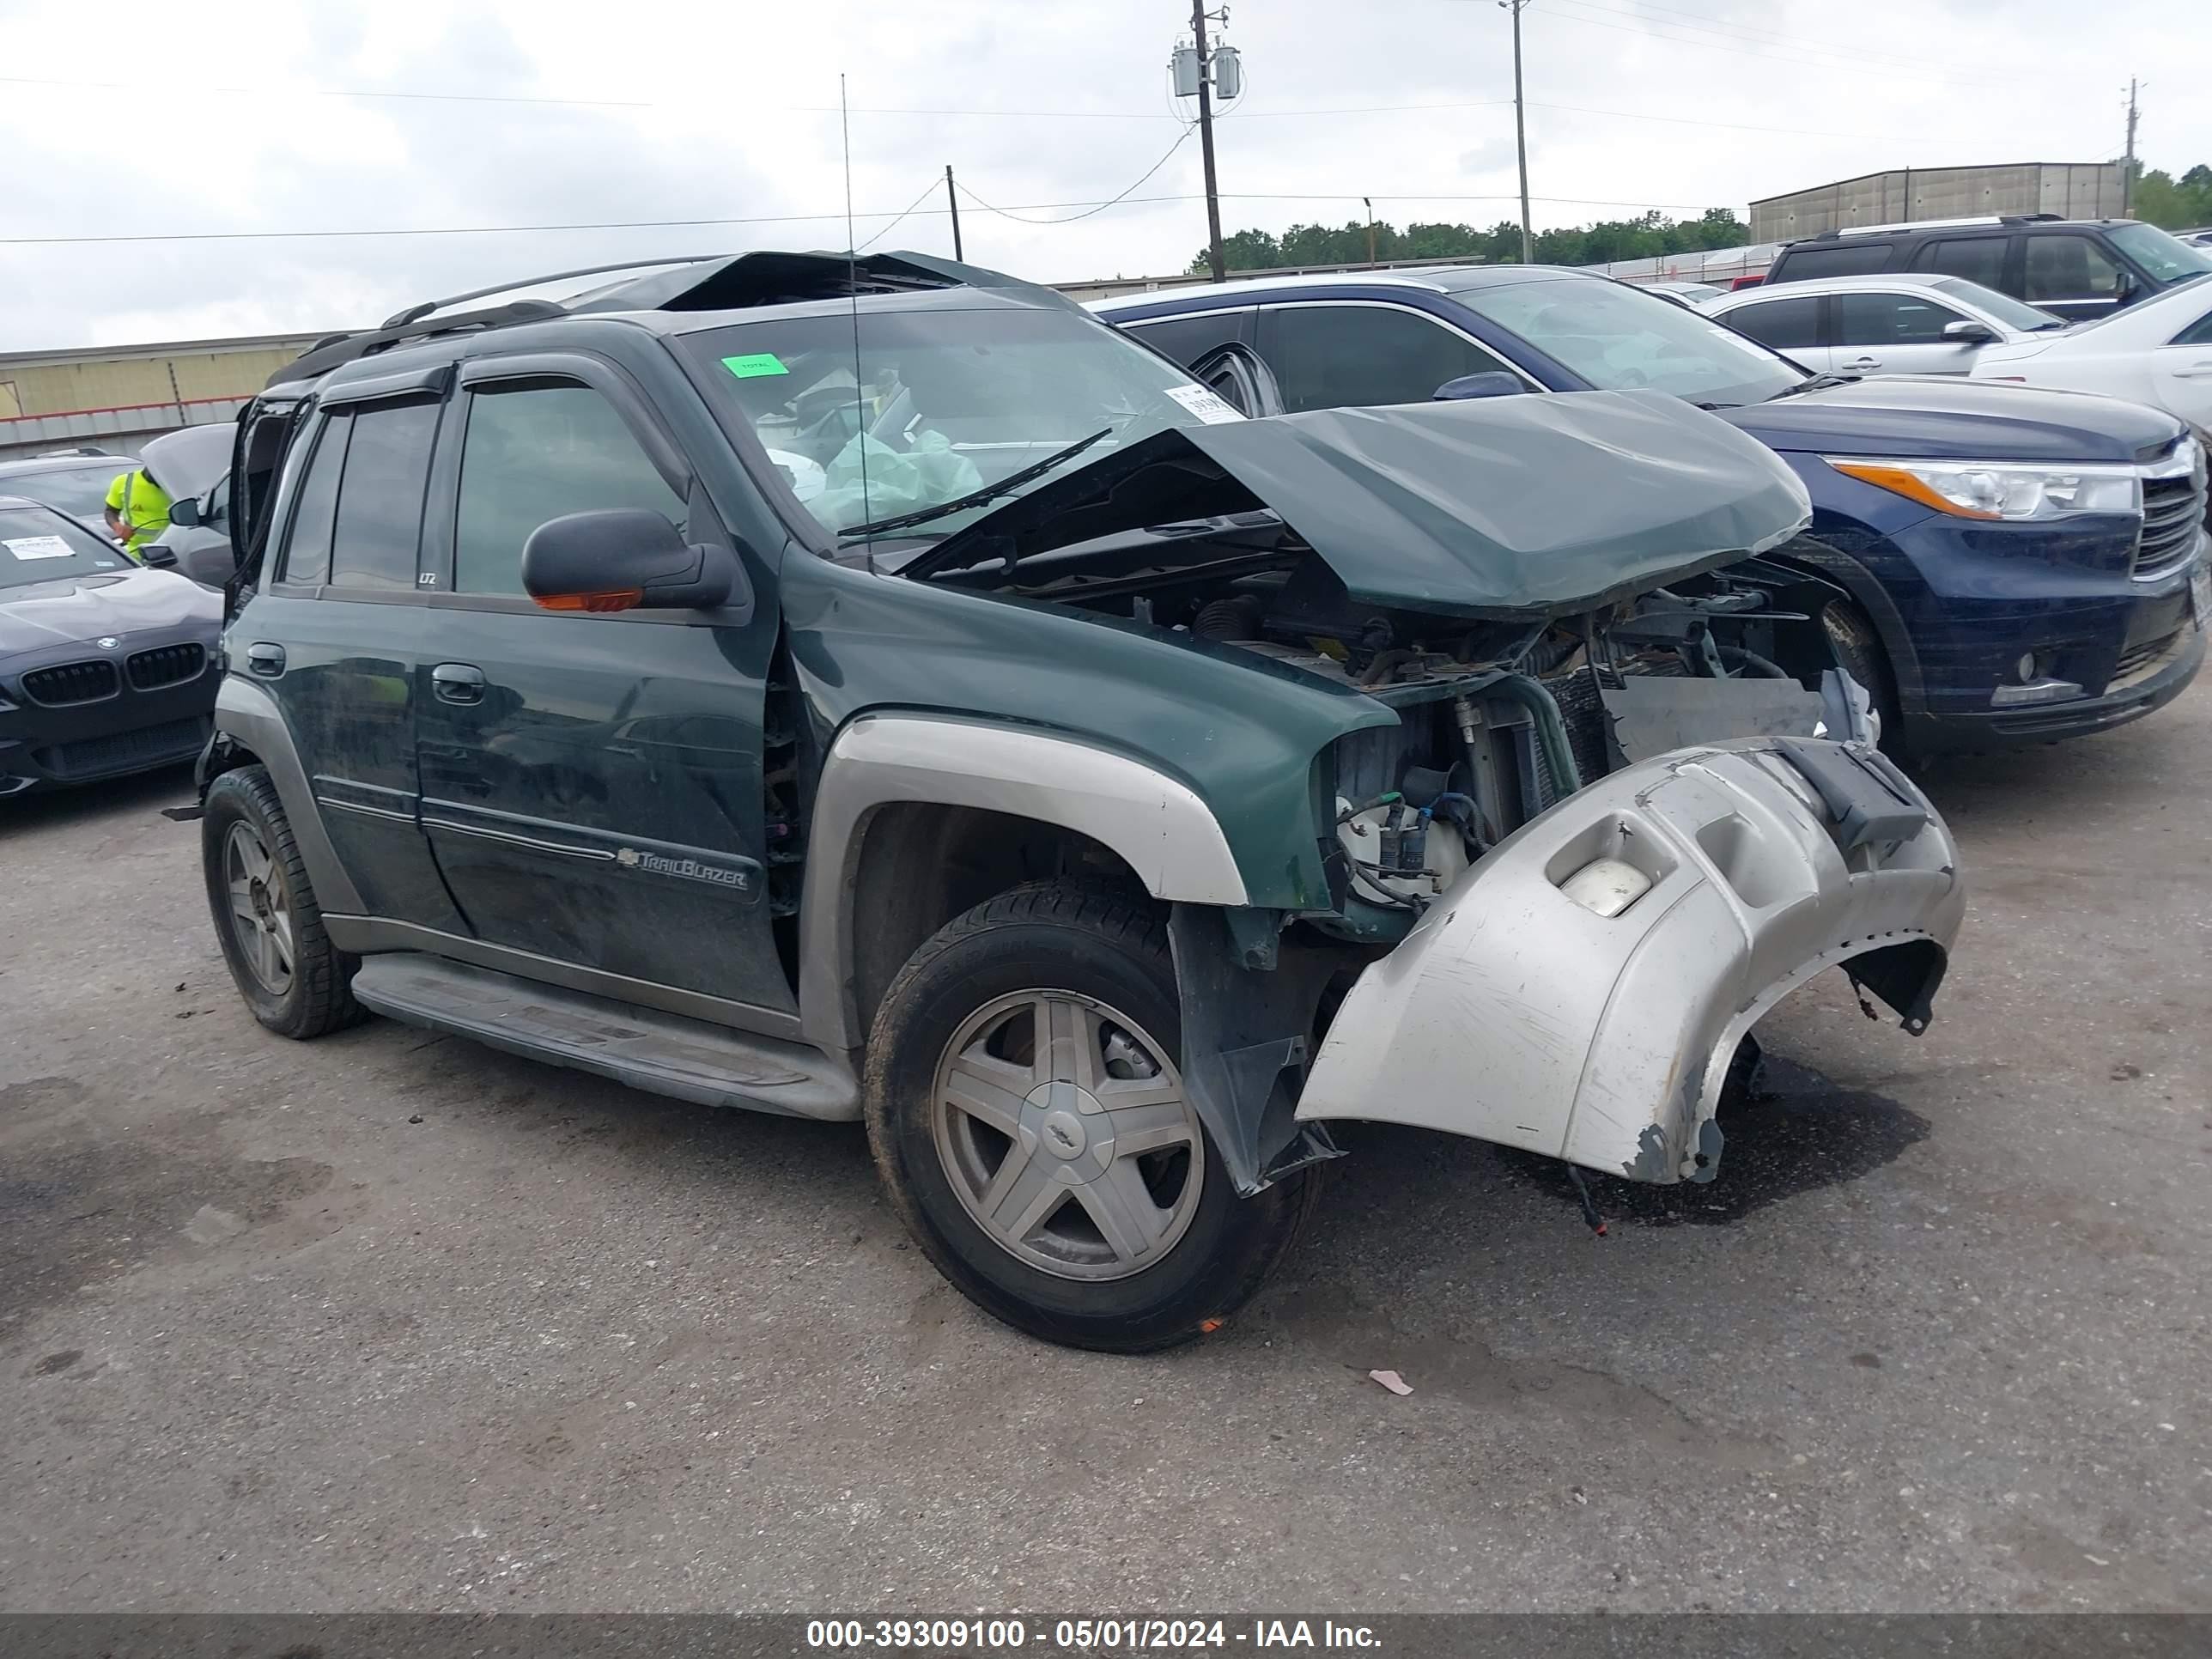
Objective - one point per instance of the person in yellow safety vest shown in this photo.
(137, 511)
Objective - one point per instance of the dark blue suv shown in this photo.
(2022, 565)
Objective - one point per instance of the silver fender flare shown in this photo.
(248, 714)
(1159, 827)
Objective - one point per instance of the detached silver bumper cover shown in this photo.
(1516, 1013)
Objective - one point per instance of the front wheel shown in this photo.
(1027, 1116)
(294, 979)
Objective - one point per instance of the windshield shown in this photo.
(953, 401)
(39, 546)
(2013, 314)
(2168, 258)
(79, 491)
(1619, 339)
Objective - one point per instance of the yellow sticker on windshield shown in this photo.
(758, 363)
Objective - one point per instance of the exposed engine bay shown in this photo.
(1500, 720)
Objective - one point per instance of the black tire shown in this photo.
(1106, 949)
(1859, 651)
(315, 996)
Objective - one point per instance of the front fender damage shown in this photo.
(1518, 1013)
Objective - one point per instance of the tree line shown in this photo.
(2182, 203)
(1644, 238)
(2159, 199)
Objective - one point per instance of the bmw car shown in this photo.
(105, 668)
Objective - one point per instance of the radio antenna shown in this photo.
(852, 290)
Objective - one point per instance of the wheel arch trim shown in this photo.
(249, 717)
(1158, 826)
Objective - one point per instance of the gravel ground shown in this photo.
(394, 1322)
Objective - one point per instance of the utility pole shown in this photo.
(1370, 206)
(2128, 169)
(1521, 129)
(954, 201)
(1206, 143)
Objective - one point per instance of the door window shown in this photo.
(2069, 268)
(1781, 324)
(1891, 319)
(1976, 259)
(1186, 339)
(536, 451)
(1850, 259)
(307, 548)
(1328, 356)
(2198, 333)
(379, 508)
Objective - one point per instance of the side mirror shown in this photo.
(1490, 383)
(626, 558)
(210, 565)
(155, 556)
(1966, 331)
(185, 513)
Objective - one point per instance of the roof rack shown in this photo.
(1841, 231)
(687, 282)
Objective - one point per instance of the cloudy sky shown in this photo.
(236, 119)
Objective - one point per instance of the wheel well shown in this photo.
(225, 754)
(920, 863)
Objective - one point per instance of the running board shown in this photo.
(662, 1054)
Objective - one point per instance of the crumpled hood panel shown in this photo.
(1497, 507)
(65, 611)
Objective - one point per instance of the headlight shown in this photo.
(2008, 491)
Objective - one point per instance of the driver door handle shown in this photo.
(456, 682)
(264, 659)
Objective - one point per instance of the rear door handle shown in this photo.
(2194, 371)
(456, 682)
(1865, 362)
(266, 660)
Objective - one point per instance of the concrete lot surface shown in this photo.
(388, 1320)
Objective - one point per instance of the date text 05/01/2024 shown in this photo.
(1123, 1635)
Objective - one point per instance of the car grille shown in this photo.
(71, 682)
(166, 665)
(149, 745)
(2173, 517)
(2140, 661)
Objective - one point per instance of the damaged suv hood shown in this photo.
(1490, 507)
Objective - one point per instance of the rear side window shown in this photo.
(1354, 355)
(1880, 319)
(379, 514)
(1846, 259)
(536, 451)
(2069, 268)
(1976, 259)
(1186, 339)
(307, 548)
(1781, 324)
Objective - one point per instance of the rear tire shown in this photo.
(294, 979)
(1028, 1118)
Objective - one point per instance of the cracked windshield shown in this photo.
(947, 403)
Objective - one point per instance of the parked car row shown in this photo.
(2015, 566)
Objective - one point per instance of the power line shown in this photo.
(894, 224)
(588, 103)
(1003, 213)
